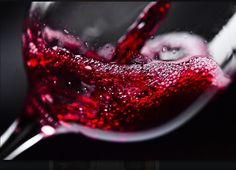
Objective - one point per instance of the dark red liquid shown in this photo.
(76, 84)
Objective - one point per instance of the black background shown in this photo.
(208, 136)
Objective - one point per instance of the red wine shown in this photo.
(143, 28)
(70, 82)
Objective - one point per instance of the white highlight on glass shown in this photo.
(8, 133)
(48, 130)
(175, 45)
(224, 42)
(43, 5)
(24, 146)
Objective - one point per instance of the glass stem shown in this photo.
(21, 135)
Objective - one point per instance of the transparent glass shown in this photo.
(94, 68)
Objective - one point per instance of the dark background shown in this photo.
(208, 136)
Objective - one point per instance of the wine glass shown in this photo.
(88, 75)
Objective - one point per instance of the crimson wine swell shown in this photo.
(70, 82)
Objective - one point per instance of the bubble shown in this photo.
(47, 98)
(55, 48)
(66, 31)
(174, 51)
(88, 67)
(141, 25)
(164, 49)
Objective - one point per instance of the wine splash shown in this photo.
(69, 82)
